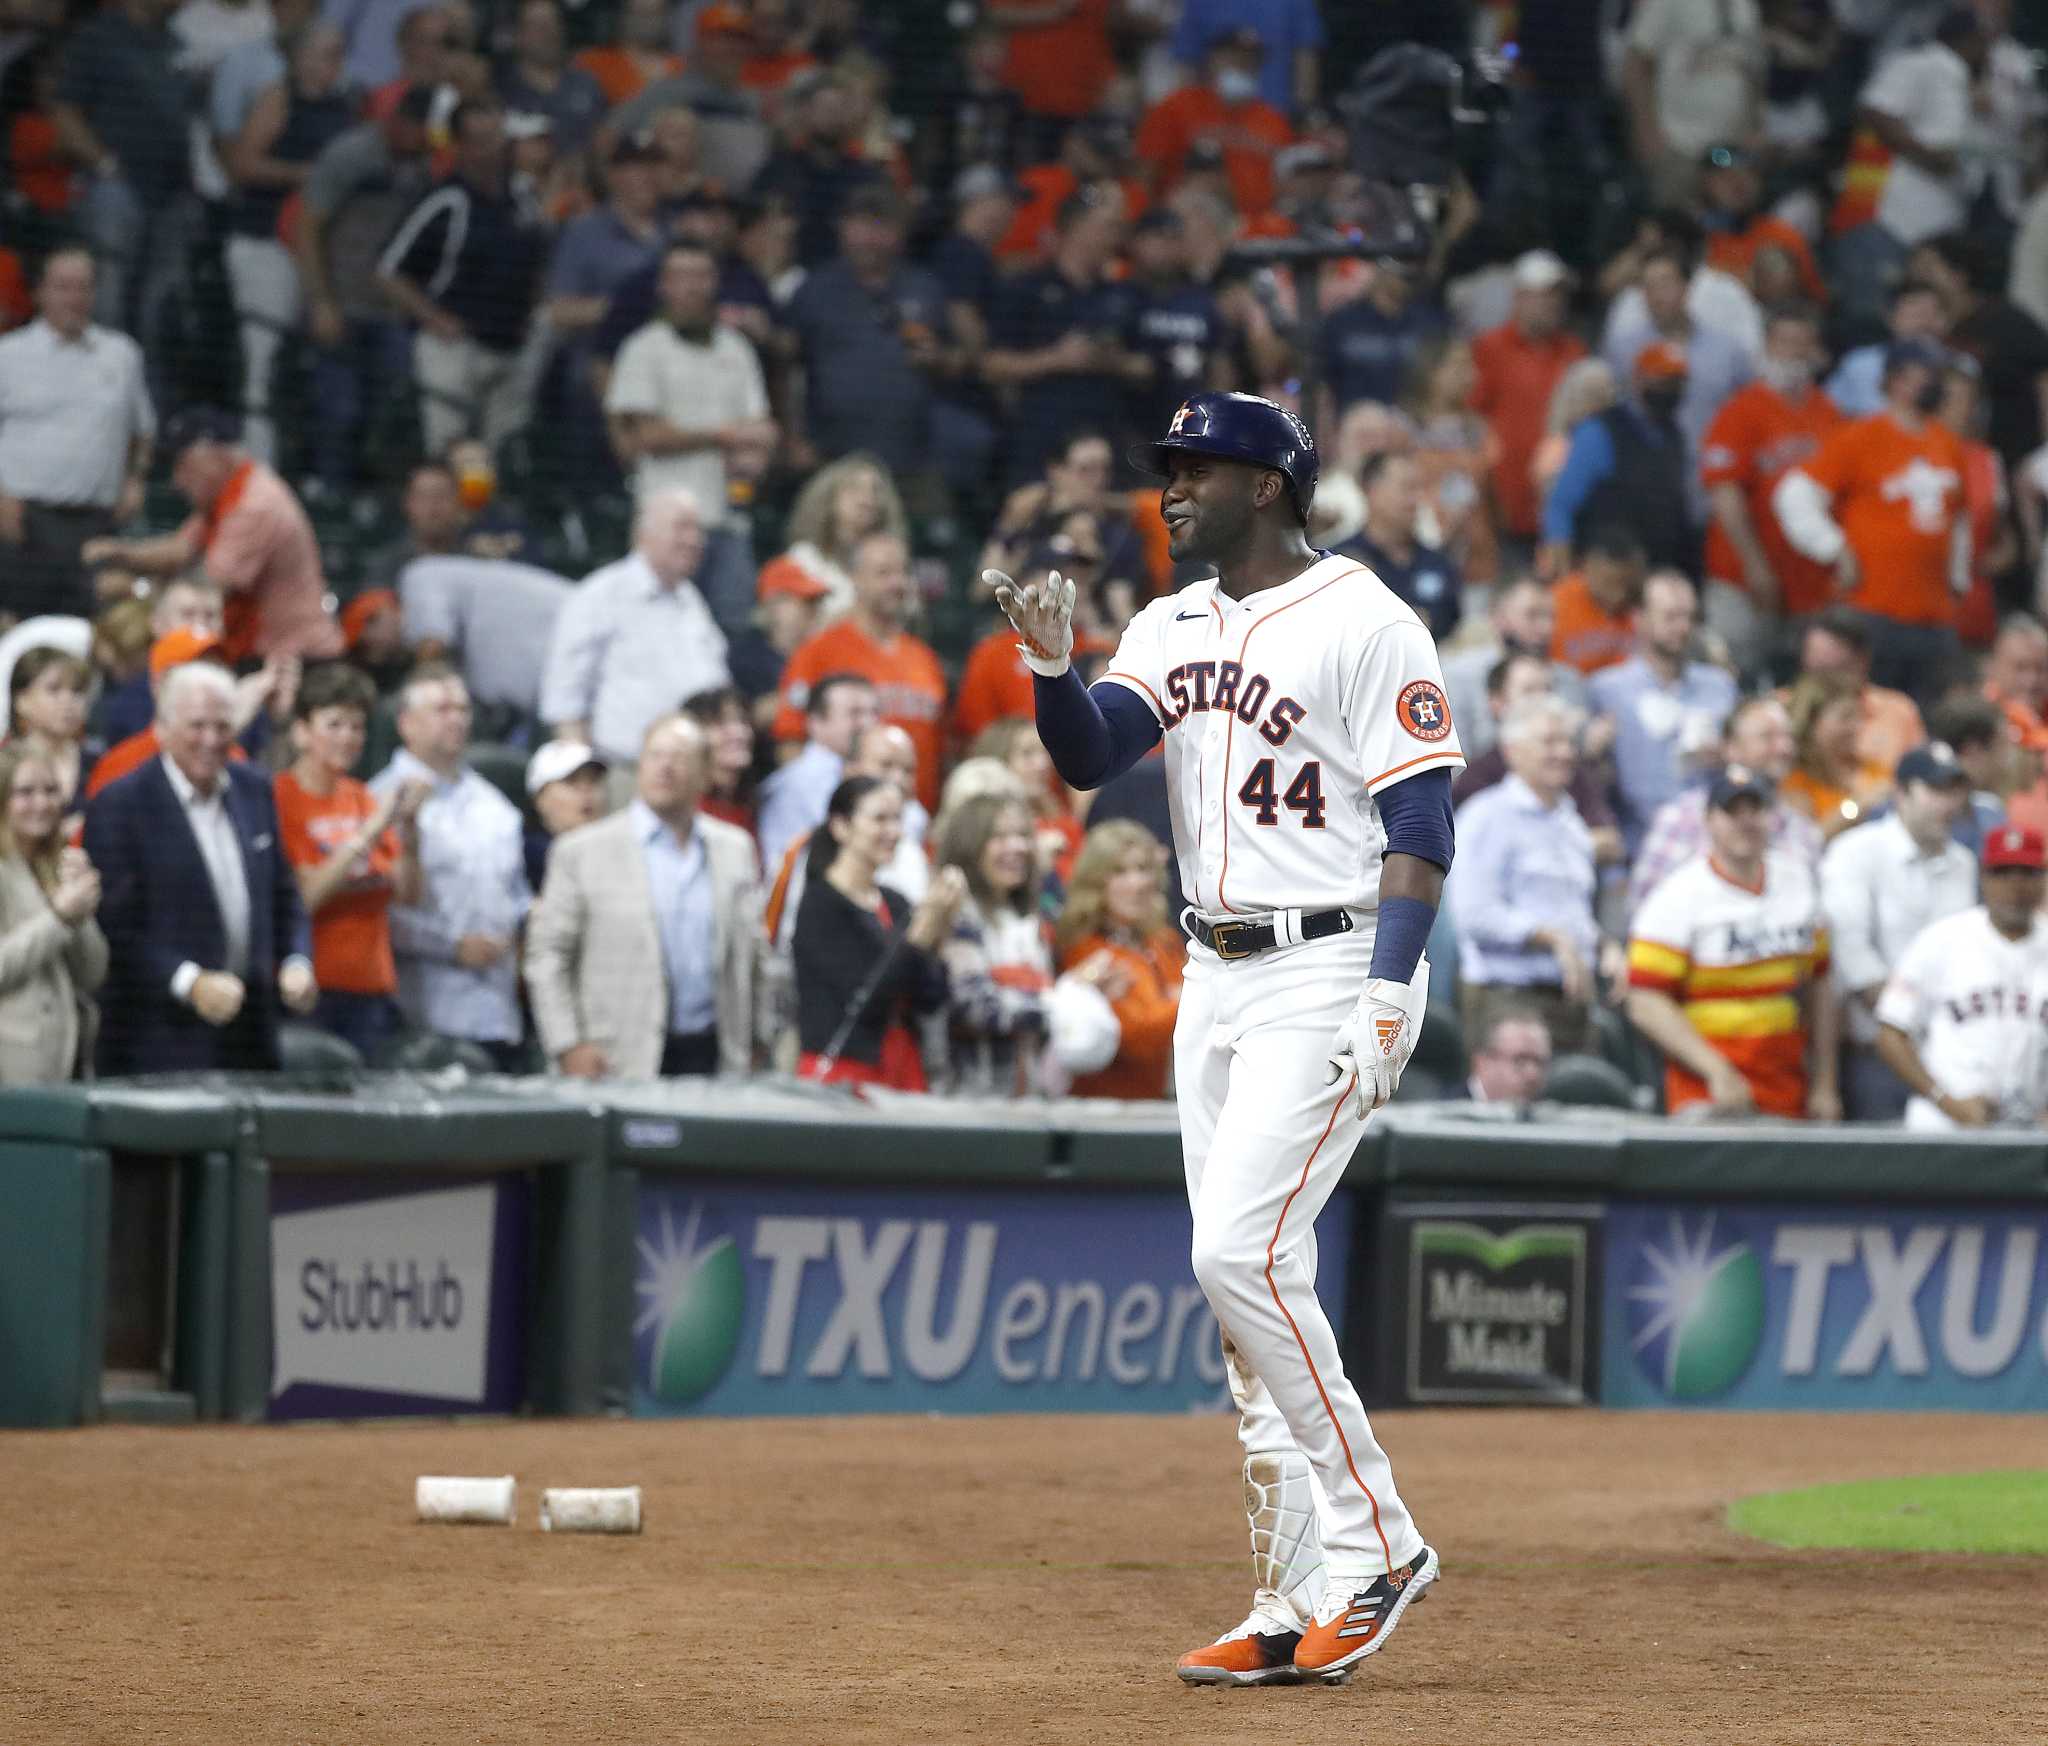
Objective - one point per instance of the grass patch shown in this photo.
(1941, 1512)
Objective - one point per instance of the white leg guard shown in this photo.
(1287, 1549)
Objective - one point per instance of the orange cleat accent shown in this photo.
(1356, 1619)
(1258, 1652)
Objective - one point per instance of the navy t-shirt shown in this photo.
(1428, 581)
(1037, 311)
(1180, 329)
(1367, 354)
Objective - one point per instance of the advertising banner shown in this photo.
(387, 1298)
(1498, 1303)
(1826, 1306)
(821, 1299)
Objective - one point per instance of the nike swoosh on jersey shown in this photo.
(1183, 617)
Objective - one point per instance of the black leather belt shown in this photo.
(1246, 938)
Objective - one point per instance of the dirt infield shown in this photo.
(957, 1581)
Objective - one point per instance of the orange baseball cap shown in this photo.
(1661, 361)
(356, 615)
(722, 20)
(786, 576)
(179, 648)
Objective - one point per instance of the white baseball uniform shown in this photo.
(1284, 715)
(1976, 1006)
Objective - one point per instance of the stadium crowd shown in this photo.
(492, 502)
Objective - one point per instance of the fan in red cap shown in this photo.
(1961, 1021)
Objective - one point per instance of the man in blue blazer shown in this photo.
(201, 912)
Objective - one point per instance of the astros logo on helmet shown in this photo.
(1424, 711)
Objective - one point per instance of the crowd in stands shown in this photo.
(493, 502)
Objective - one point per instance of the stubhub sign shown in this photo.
(388, 1299)
(813, 1300)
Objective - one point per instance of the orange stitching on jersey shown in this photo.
(1230, 731)
(1426, 758)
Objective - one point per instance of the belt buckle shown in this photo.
(1222, 934)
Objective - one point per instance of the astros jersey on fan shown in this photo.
(1285, 713)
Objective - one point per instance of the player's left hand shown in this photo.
(1042, 614)
(1375, 1042)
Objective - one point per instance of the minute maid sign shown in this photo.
(1827, 1307)
(808, 1300)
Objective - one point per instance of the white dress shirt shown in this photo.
(221, 849)
(679, 881)
(1880, 891)
(69, 409)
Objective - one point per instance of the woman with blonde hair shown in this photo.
(1455, 453)
(1116, 912)
(997, 957)
(839, 507)
(1827, 782)
(1585, 389)
(53, 956)
(49, 697)
(1014, 743)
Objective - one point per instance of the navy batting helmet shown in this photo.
(1242, 427)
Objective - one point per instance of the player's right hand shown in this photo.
(1042, 614)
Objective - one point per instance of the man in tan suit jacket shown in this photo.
(641, 951)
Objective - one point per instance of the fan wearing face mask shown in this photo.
(1883, 504)
(1225, 110)
(1756, 578)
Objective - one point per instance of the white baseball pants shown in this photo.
(1266, 1142)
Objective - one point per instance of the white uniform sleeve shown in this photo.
(1396, 710)
(1139, 664)
(1909, 997)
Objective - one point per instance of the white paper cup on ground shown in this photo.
(567, 1509)
(451, 1498)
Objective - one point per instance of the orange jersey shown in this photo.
(1735, 253)
(352, 932)
(906, 675)
(995, 685)
(1516, 377)
(1756, 437)
(1249, 134)
(1737, 959)
(1897, 495)
(1146, 1012)
(1587, 635)
(1061, 68)
(620, 75)
(1046, 188)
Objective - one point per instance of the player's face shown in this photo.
(1739, 831)
(1208, 505)
(2013, 895)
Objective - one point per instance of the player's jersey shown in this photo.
(1285, 714)
(1976, 1004)
(1737, 961)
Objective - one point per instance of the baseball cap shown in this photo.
(558, 759)
(1933, 763)
(1739, 782)
(981, 182)
(180, 648)
(198, 424)
(721, 20)
(1900, 353)
(883, 203)
(1204, 154)
(1297, 160)
(1158, 221)
(1540, 270)
(1726, 157)
(528, 124)
(1244, 36)
(356, 615)
(787, 577)
(637, 148)
(2015, 846)
(1661, 361)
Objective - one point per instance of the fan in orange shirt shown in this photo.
(1060, 59)
(1116, 911)
(1596, 604)
(871, 641)
(1737, 232)
(1883, 503)
(1095, 150)
(636, 58)
(1224, 109)
(1754, 573)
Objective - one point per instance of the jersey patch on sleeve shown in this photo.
(1423, 711)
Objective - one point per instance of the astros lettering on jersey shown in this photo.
(1285, 713)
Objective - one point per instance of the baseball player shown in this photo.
(1964, 1019)
(1309, 755)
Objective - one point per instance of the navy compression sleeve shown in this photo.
(1092, 735)
(1417, 814)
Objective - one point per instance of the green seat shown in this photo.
(1440, 1049)
(1590, 1082)
(503, 767)
(306, 1049)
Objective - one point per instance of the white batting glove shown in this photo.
(1374, 1043)
(1042, 614)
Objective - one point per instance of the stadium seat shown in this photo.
(1589, 1081)
(309, 1050)
(435, 1054)
(503, 767)
(1440, 1050)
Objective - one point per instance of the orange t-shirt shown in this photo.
(1061, 68)
(1896, 495)
(1146, 1011)
(618, 75)
(1046, 188)
(1735, 252)
(1756, 438)
(1517, 376)
(1588, 636)
(995, 685)
(124, 757)
(352, 932)
(1249, 133)
(910, 683)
